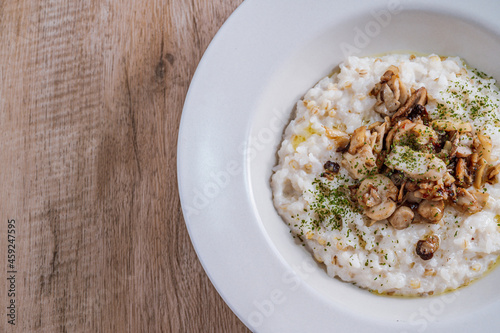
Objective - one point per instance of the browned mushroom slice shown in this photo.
(418, 97)
(359, 160)
(380, 129)
(418, 113)
(340, 138)
(483, 146)
(431, 210)
(358, 139)
(373, 125)
(390, 98)
(434, 191)
(427, 247)
(493, 172)
(376, 194)
(412, 198)
(422, 96)
(401, 193)
(480, 177)
(470, 202)
(389, 137)
(461, 145)
(389, 74)
(391, 93)
(452, 193)
(371, 197)
(448, 179)
(401, 218)
(403, 93)
(411, 186)
(381, 211)
(473, 162)
(361, 164)
(462, 173)
(331, 170)
(384, 187)
(481, 197)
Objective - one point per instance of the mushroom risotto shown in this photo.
(388, 173)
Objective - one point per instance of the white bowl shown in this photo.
(262, 61)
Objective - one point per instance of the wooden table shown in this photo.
(91, 94)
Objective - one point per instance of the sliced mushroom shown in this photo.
(462, 173)
(380, 129)
(390, 137)
(331, 169)
(448, 179)
(461, 145)
(419, 113)
(381, 211)
(390, 99)
(391, 93)
(452, 193)
(421, 96)
(401, 218)
(403, 93)
(358, 139)
(454, 141)
(359, 160)
(340, 138)
(418, 97)
(434, 191)
(384, 187)
(427, 247)
(493, 174)
(431, 210)
(483, 146)
(412, 198)
(473, 160)
(371, 197)
(372, 140)
(389, 74)
(481, 175)
(419, 219)
(401, 193)
(376, 194)
(470, 202)
(481, 197)
(361, 164)
(372, 126)
(398, 178)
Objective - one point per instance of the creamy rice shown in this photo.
(378, 257)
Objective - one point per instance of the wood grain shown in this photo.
(91, 94)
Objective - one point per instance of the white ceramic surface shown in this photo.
(259, 64)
